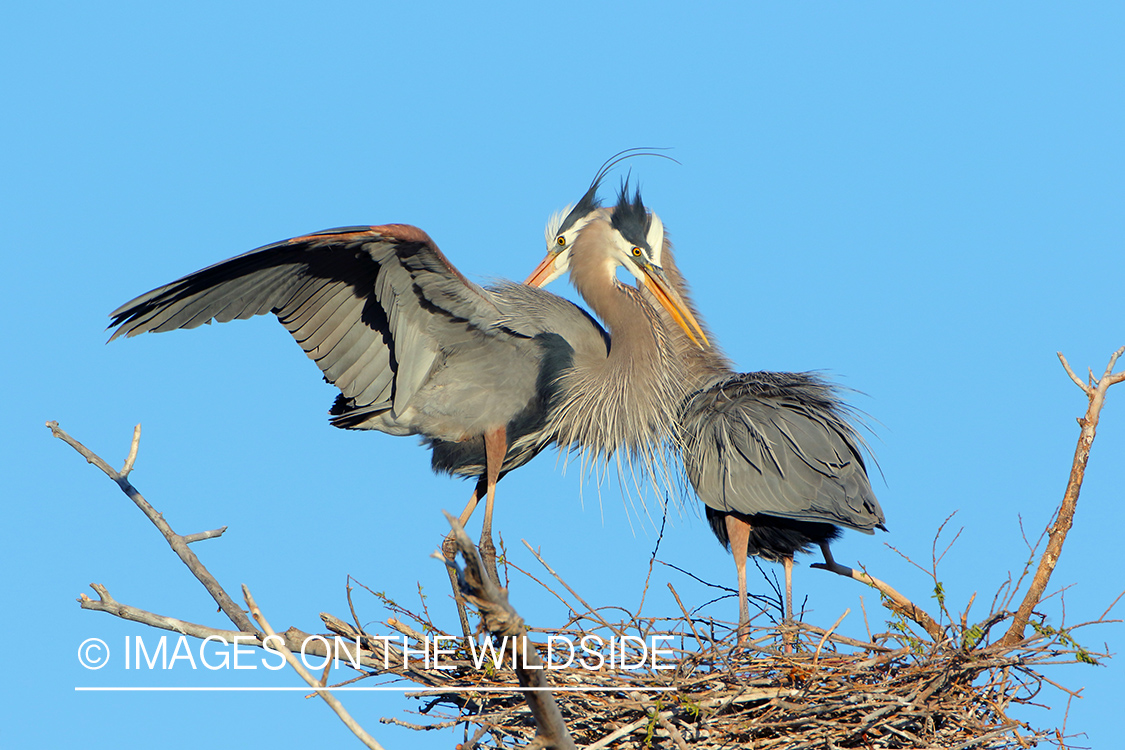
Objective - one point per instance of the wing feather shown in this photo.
(372, 306)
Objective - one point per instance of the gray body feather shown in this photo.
(777, 450)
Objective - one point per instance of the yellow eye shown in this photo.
(561, 241)
(636, 252)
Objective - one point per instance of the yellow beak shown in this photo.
(667, 295)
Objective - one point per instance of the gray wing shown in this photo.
(779, 444)
(370, 305)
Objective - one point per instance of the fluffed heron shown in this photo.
(487, 376)
(772, 455)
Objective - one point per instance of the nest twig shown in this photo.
(895, 691)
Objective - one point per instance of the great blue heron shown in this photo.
(771, 454)
(488, 376)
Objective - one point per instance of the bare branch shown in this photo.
(1108, 375)
(652, 560)
(109, 605)
(333, 703)
(199, 537)
(687, 617)
(590, 610)
(405, 629)
(1111, 606)
(895, 601)
(1070, 372)
(1064, 519)
(618, 734)
(574, 613)
(178, 543)
(670, 728)
(133, 446)
(819, 646)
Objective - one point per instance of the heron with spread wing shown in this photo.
(487, 376)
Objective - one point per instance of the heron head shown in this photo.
(564, 226)
(638, 241)
(561, 231)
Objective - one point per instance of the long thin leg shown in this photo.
(738, 533)
(789, 630)
(495, 449)
(449, 550)
(478, 493)
(788, 563)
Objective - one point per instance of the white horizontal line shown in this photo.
(415, 689)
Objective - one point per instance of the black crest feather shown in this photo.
(630, 217)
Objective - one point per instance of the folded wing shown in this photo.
(778, 444)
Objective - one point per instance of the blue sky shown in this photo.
(923, 201)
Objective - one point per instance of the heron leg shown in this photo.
(789, 631)
(449, 551)
(788, 563)
(495, 449)
(738, 533)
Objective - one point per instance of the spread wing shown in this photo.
(779, 444)
(370, 305)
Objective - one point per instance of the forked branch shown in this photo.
(179, 544)
(1095, 391)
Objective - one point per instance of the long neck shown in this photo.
(630, 398)
(636, 332)
(703, 365)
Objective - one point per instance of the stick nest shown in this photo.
(793, 687)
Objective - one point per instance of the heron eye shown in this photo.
(561, 241)
(636, 252)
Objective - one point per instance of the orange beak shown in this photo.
(545, 272)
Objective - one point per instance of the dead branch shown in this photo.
(199, 537)
(894, 601)
(589, 609)
(109, 605)
(179, 544)
(383, 659)
(1095, 391)
(278, 642)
